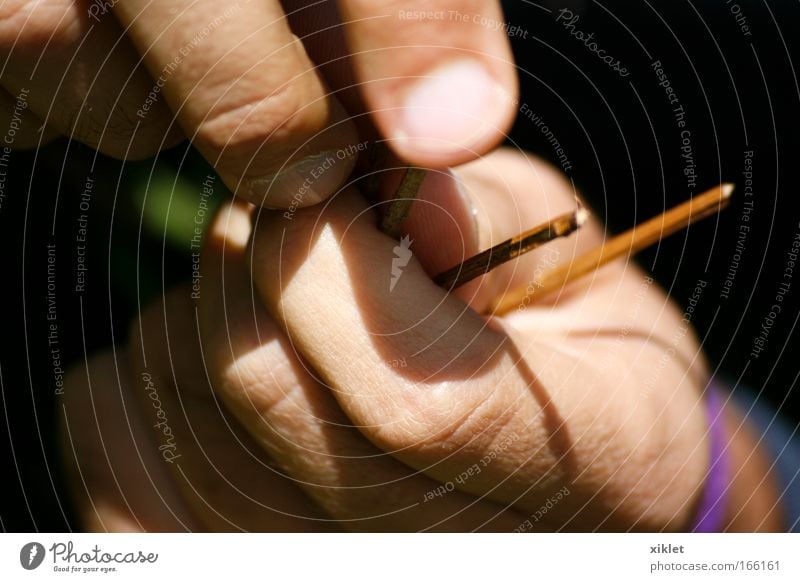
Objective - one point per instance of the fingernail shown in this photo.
(471, 209)
(232, 225)
(443, 222)
(451, 108)
(305, 183)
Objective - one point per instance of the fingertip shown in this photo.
(442, 222)
(314, 170)
(451, 114)
(441, 84)
(231, 226)
(301, 183)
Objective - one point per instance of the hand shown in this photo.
(264, 107)
(299, 392)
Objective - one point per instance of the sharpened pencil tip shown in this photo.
(727, 190)
(581, 216)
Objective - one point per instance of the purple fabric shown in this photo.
(711, 512)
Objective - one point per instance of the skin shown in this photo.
(289, 424)
(290, 411)
(255, 90)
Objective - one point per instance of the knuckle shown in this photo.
(113, 128)
(440, 422)
(416, 422)
(483, 420)
(407, 434)
(291, 113)
(257, 387)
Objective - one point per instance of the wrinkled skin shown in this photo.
(301, 394)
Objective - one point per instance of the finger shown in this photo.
(508, 193)
(512, 193)
(117, 480)
(441, 225)
(481, 204)
(247, 95)
(298, 421)
(81, 76)
(438, 77)
(472, 386)
(227, 480)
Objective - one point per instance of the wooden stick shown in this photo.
(489, 259)
(400, 206)
(624, 245)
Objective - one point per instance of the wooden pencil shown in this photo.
(400, 206)
(624, 245)
(507, 250)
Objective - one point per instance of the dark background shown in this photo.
(739, 93)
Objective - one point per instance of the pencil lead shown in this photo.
(581, 216)
(727, 190)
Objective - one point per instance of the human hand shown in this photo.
(264, 107)
(310, 396)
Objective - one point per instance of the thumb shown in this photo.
(460, 212)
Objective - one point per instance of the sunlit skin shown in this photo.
(298, 391)
(300, 340)
(259, 86)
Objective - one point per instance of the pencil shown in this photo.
(624, 245)
(400, 206)
(507, 250)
